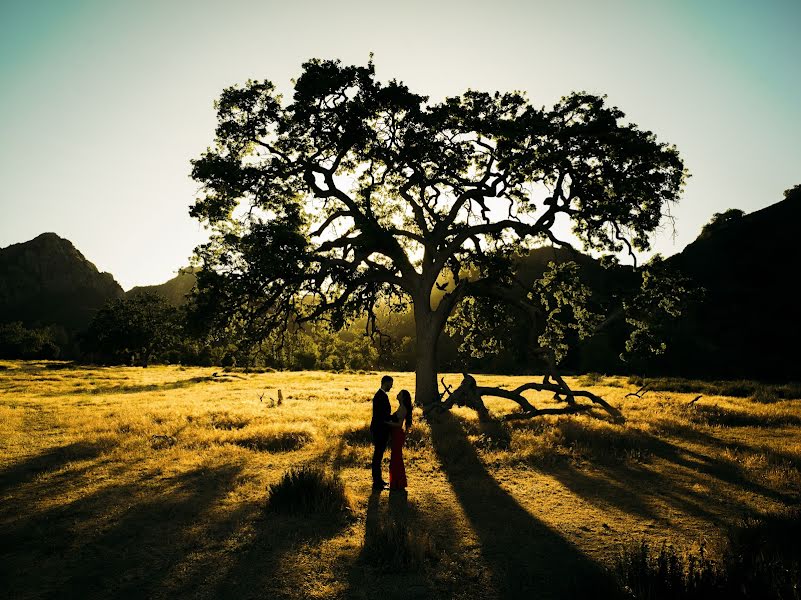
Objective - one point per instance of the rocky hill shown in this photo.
(47, 281)
(175, 290)
(748, 322)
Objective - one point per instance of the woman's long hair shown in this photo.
(406, 398)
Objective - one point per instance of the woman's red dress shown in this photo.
(397, 472)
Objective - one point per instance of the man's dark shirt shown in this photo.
(381, 410)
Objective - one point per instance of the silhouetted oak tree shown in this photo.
(355, 192)
(133, 329)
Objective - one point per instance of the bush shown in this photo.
(360, 436)
(308, 490)
(17, 341)
(765, 555)
(635, 380)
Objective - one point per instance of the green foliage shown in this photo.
(18, 341)
(134, 330)
(720, 221)
(558, 305)
(565, 302)
(664, 296)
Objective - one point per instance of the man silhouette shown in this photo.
(379, 429)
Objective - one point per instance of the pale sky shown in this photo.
(103, 103)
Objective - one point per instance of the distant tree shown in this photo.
(355, 193)
(134, 329)
(720, 220)
(793, 193)
(18, 341)
(664, 296)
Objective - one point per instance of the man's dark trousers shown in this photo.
(380, 435)
(380, 432)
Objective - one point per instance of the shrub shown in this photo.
(764, 555)
(635, 380)
(308, 490)
(758, 392)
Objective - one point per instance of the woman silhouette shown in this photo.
(400, 423)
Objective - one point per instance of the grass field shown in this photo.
(128, 482)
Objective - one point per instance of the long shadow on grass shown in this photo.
(637, 488)
(396, 551)
(527, 558)
(263, 567)
(50, 460)
(121, 541)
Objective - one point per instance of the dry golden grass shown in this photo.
(153, 483)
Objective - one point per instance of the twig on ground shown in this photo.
(640, 392)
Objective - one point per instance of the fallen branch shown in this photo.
(470, 394)
(641, 392)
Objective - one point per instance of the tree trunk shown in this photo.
(428, 332)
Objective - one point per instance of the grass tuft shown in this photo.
(589, 379)
(275, 441)
(761, 560)
(396, 546)
(647, 573)
(360, 436)
(308, 490)
(225, 420)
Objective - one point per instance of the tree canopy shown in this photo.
(354, 192)
(133, 329)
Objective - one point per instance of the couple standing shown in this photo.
(386, 426)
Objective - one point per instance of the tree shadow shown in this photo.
(686, 480)
(526, 557)
(53, 459)
(260, 569)
(120, 541)
(396, 549)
